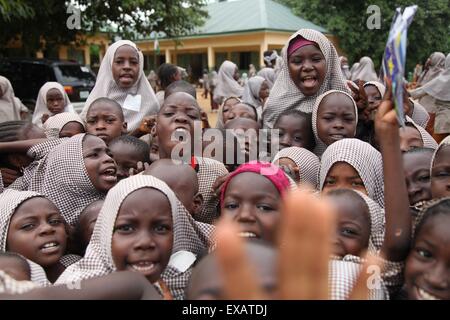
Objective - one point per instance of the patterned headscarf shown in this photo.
(437, 61)
(9, 106)
(220, 124)
(98, 259)
(41, 103)
(438, 87)
(307, 162)
(364, 158)
(285, 95)
(62, 177)
(269, 75)
(381, 87)
(320, 145)
(420, 115)
(105, 86)
(226, 85)
(266, 169)
(365, 71)
(445, 142)
(251, 91)
(54, 124)
(427, 139)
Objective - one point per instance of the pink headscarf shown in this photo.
(267, 169)
(297, 43)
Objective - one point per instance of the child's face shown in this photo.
(103, 121)
(417, 173)
(227, 108)
(264, 91)
(343, 176)
(253, 202)
(307, 68)
(178, 113)
(99, 164)
(294, 132)
(440, 173)
(336, 118)
(70, 129)
(427, 272)
(88, 219)
(126, 157)
(125, 66)
(240, 110)
(373, 97)
(14, 267)
(409, 138)
(154, 150)
(290, 168)
(37, 232)
(352, 226)
(236, 74)
(143, 236)
(55, 101)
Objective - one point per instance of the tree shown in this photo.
(43, 23)
(347, 20)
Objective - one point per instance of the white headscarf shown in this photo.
(365, 70)
(105, 86)
(251, 91)
(9, 107)
(220, 124)
(41, 103)
(427, 139)
(364, 158)
(445, 142)
(307, 162)
(381, 88)
(54, 124)
(226, 85)
(439, 87)
(345, 70)
(285, 95)
(269, 75)
(437, 62)
(98, 259)
(320, 145)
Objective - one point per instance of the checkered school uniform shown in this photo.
(427, 139)
(10, 285)
(54, 124)
(98, 259)
(286, 96)
(364, 158)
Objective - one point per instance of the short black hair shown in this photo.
(11, 130)
(165, 73)
(302, 115)
(142, 147)
(23, 262)
(180, 86)
(111, 102)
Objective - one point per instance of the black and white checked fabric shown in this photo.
(427, 139)
(364, 158)
(420, 115)
(98, 259)
(320, 145)
(209, 171)
(445, 142)
(227, 86)
(61, 176)
(55, 123)
(105, 86)
(286, 96)
(380, 87)
(307, 162)
(10, 285)
(219, 122)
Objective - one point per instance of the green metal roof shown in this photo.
(251, 15)
(246, 16)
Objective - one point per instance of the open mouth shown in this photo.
(424, 295)
(144, 267)
(50, 247)
(336, 136)
(181, 133)
(245, 234)
(309, 81)
(109, 174)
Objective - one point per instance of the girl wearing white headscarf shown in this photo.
(56, 123)
(344, 67)
(365, 71)
(251, 93)
(364, 158)
(285, 95)
(137, 101)
(98, 260)
(9, 105)
(227, 86)
(41, 103)
(269, 75)
(439, 89)
(434, 66)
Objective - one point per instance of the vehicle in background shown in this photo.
(28, 75)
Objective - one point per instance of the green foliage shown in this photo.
(35, 21)
(429, 31)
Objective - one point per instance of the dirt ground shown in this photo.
(206, 105)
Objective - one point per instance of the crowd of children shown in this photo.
(138, 197)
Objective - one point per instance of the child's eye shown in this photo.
(349, 232)
(90, 121)
(327, 118)
(297, 138)
(424, 253)
(349, 119)
(357, 184)
(162, 228)
(27, 226)
(442, 174)
(296, 61)
(265, 207)
(329, 181)
(231, 206)
(55, 222)
(424, 178)
(124, 228)
(168, 114)
(193, 116)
